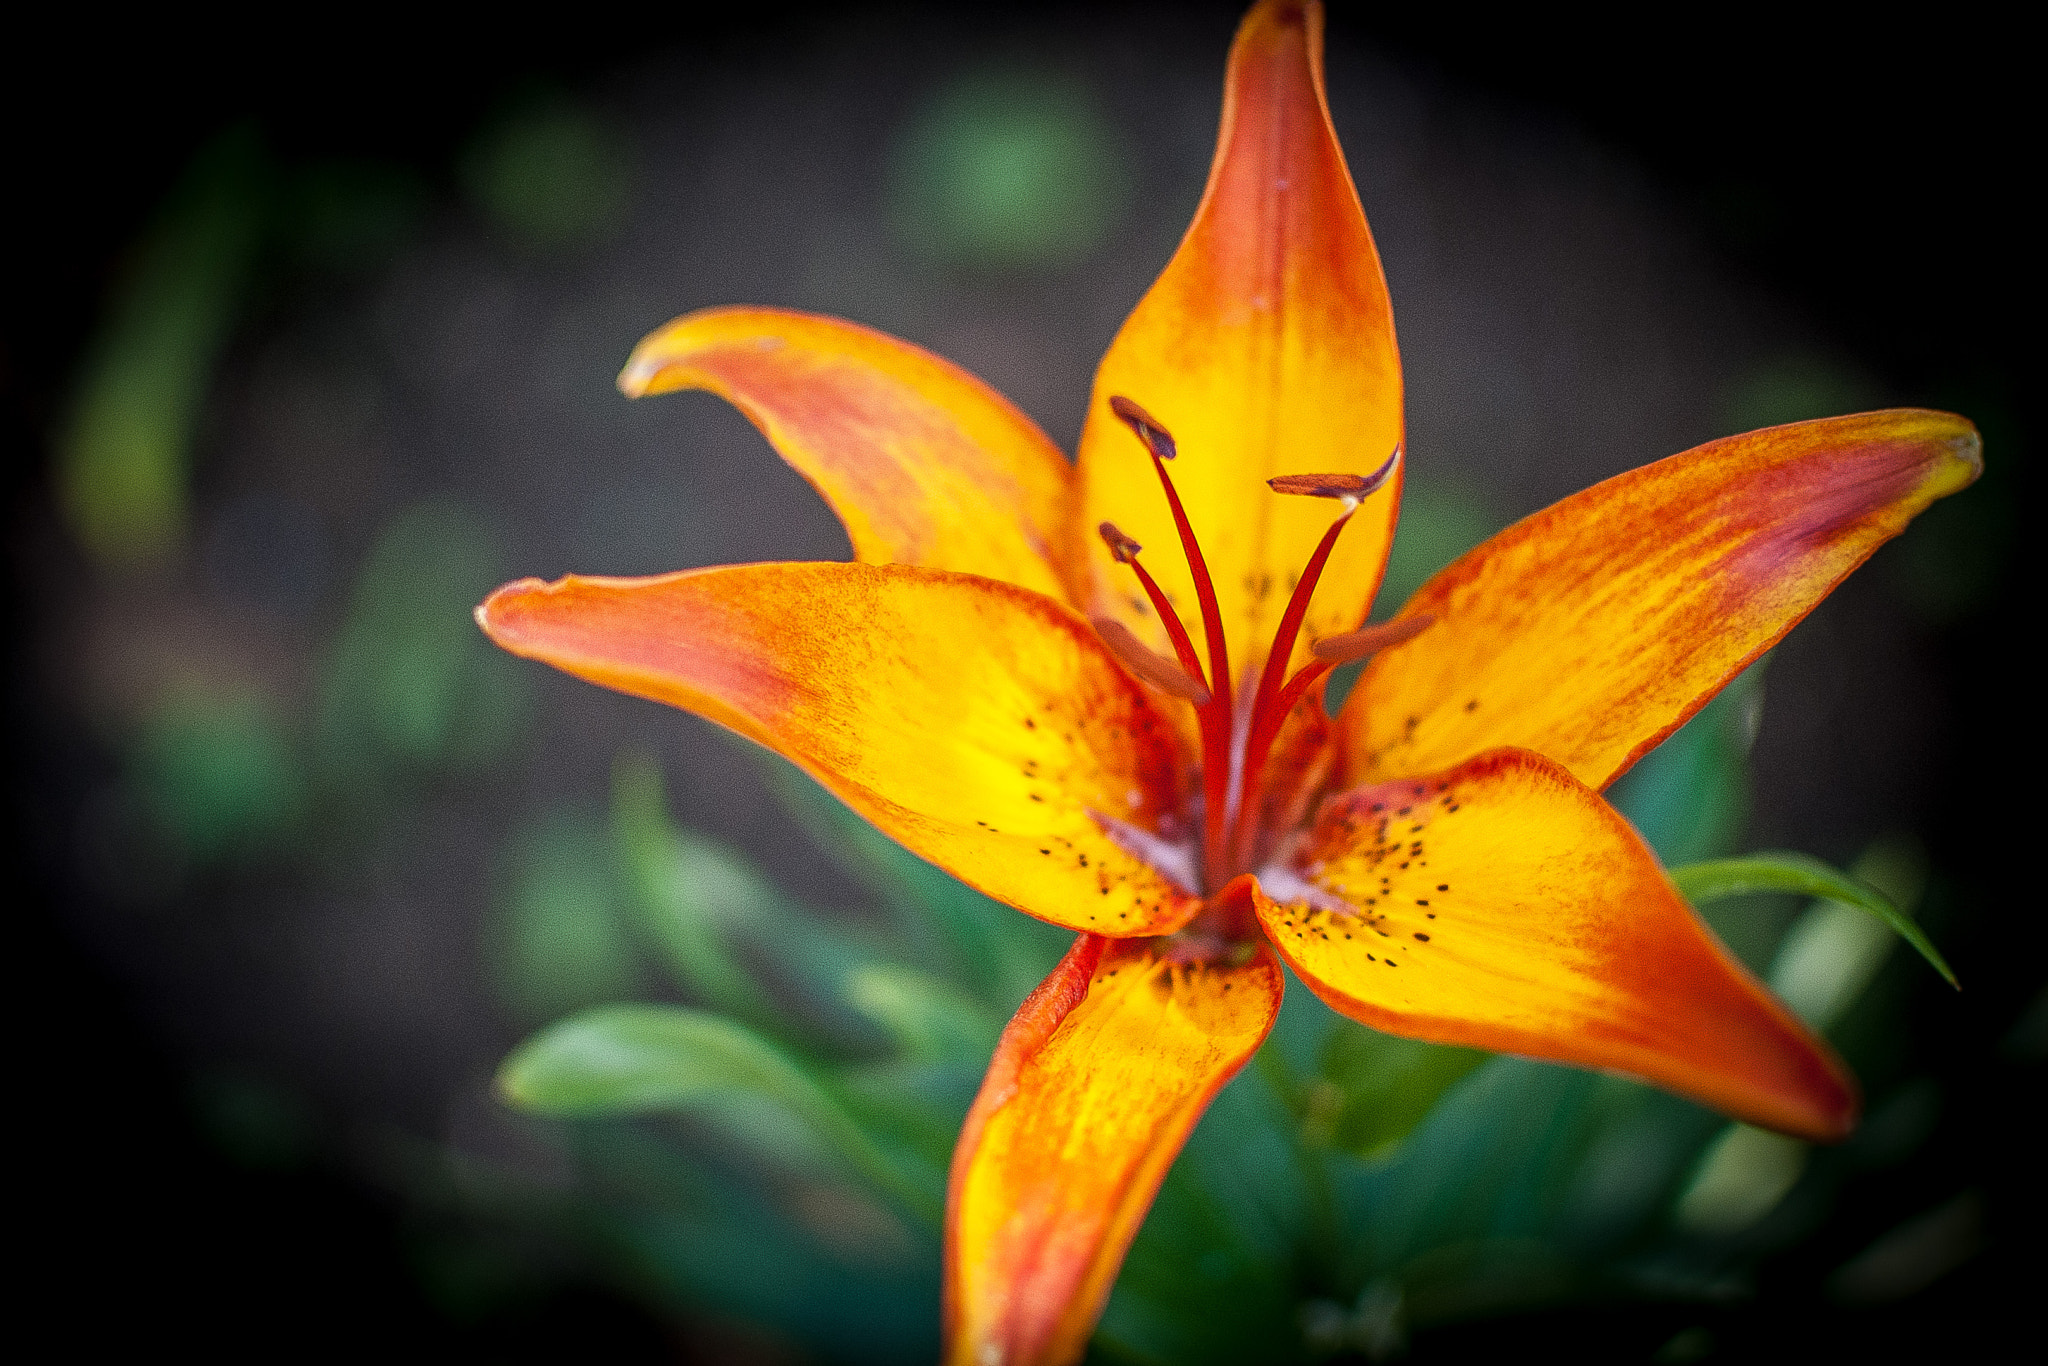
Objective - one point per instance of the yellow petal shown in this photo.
(1593, 629)
(1092, 1092)
(923, 462)
(982, 726)
(1503, 905)
(1266, 348)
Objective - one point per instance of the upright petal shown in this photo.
(923, 462)
(981, 725)
(1593, 629)
(1094, 1088)
(1503, 905)
(1266, 347)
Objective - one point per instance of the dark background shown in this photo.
(1872, 175)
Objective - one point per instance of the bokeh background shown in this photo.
(309, 343)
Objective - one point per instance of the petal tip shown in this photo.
(494, 613)
(1834, 1118)
(1966, 448)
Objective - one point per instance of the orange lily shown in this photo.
(1005, 685)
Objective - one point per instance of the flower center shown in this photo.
(1237, 742)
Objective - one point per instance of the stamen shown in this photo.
(1157, 439)
(1359, 644)
(1337, 485)
(1126, 549)
(1273, 703)
(1216, 717)
(1161, 672)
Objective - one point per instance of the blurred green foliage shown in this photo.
(561, 939)
(410, 686)
(235, 225)
(124, 454)
(220, 775)
(1009, 169)
(550, 174)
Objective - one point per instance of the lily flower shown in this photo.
(1094, 691)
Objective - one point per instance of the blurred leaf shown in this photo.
(560, 941)
(1740, 1179)
(1494, 1159)
(220, 774)
(696, 1239)
(124, 454)
(997, 952)
(639, 1059)
(929, 1020)
(1780, 871)
(1009, 170)
(687, 893)
(1212, 1274)
(551, 174)
(1913, 1255)
(1375, 1088)
(735, 939)
(410, 685)
(1689, 797)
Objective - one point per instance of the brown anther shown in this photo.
(1123, 547)
(1156, 669)
(1319, 485)
(1149, 429)
(1359, 644)
(1336, 485)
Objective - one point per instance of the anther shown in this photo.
(1359, 644)
(1161, 672)
(1121, 546)
(1352, 486)
(1157, 439)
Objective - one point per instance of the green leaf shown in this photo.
(929, 1020)
(1375, 1088)
(1780, 871)
(684, 891)
(645, 1059)
(557, 939)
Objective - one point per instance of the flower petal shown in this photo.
(982, 726)
(1266, 348)
(924, 463)
(1503, 905)
(1595, 628)
(1092, 1092)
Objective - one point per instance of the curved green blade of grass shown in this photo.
(1780, 871)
